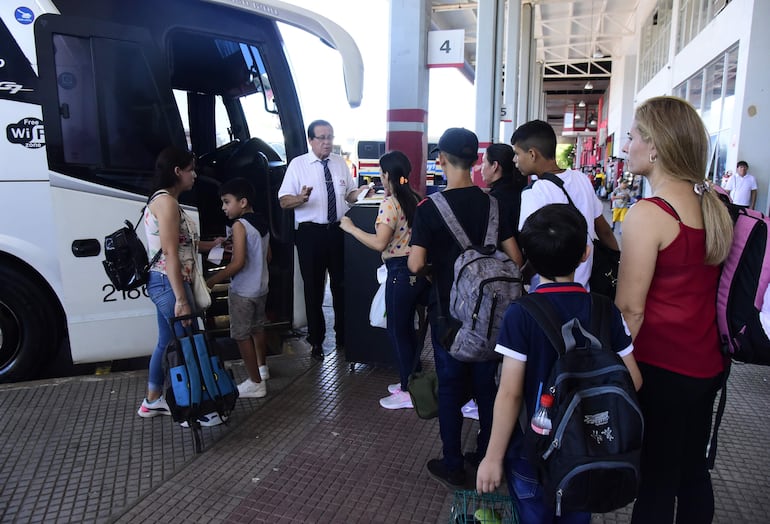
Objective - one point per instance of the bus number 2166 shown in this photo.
(113, 295)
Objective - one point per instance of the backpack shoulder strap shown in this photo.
(546, 317)
(665, 206)
(559, 183)
(601, 319)
(141, 218)
(149, 200)
(493, 223)
(450, 220)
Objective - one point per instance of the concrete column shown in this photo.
(408, 85)
(486, 79)
(751, 104)
(537, 100)
(513, 44)
(525, 64)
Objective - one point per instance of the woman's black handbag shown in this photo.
(604, 274)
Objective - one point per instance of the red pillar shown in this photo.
(406, 133)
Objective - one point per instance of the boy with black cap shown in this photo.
(433, 243)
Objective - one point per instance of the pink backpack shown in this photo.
(742, 285)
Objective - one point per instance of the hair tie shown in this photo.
(403, 181)
(701, 188)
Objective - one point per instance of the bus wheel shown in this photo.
(28, 327)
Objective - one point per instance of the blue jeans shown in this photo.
(162, 295)
(402, 293)
(528, 496)
(457, 383)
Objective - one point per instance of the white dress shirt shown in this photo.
(307, 170)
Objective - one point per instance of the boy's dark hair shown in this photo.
(460, 163)
(554, 239)
(239, 188)
(742, 163)
(536, 134)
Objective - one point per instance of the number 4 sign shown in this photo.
(446, 48)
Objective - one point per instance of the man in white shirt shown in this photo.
(306, 188)
(742, 186)
(534, 145)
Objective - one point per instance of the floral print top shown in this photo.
(188, 242)
(392, 215)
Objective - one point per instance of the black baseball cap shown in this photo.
(459, 142)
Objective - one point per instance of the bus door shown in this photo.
(235, 129)
(107, 111)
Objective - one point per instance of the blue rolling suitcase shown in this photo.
(196, 381)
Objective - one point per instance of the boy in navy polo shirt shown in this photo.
(554, 240)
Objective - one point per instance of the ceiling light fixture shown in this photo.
(582, 103)
(592, 122)
(588, 85)
(577, 116)
(598, 53)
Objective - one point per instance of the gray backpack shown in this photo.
(485, 283)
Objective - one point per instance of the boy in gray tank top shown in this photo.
(248, 276)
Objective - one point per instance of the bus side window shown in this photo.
(77, 100)
(134, 120)
(112, 117)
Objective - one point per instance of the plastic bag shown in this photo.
(377, 313)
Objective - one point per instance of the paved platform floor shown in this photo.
(318, 448)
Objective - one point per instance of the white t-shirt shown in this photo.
(307, 170)
(740, 188)
(582, 194)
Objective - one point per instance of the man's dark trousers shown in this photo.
(320, 248)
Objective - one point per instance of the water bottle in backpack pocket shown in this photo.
(589, 460)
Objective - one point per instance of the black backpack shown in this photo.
(590, 460)
(125, 257)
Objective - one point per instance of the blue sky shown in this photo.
(318, 75)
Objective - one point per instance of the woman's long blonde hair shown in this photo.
(682, 144)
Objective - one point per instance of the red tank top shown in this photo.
(679, 331)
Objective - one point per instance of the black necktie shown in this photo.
(330, 196)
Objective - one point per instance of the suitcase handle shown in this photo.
(191, 329)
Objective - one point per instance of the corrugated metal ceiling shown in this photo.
(576, 41)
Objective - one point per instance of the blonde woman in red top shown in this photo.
(673, 244)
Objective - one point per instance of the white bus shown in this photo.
(90, 92)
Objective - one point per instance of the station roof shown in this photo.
(576, 42)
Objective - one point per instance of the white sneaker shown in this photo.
(394, 388)
(211, 419)
(250, 389)
(470, 410)
(264, 373)
(398, 400)
(154, 408)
